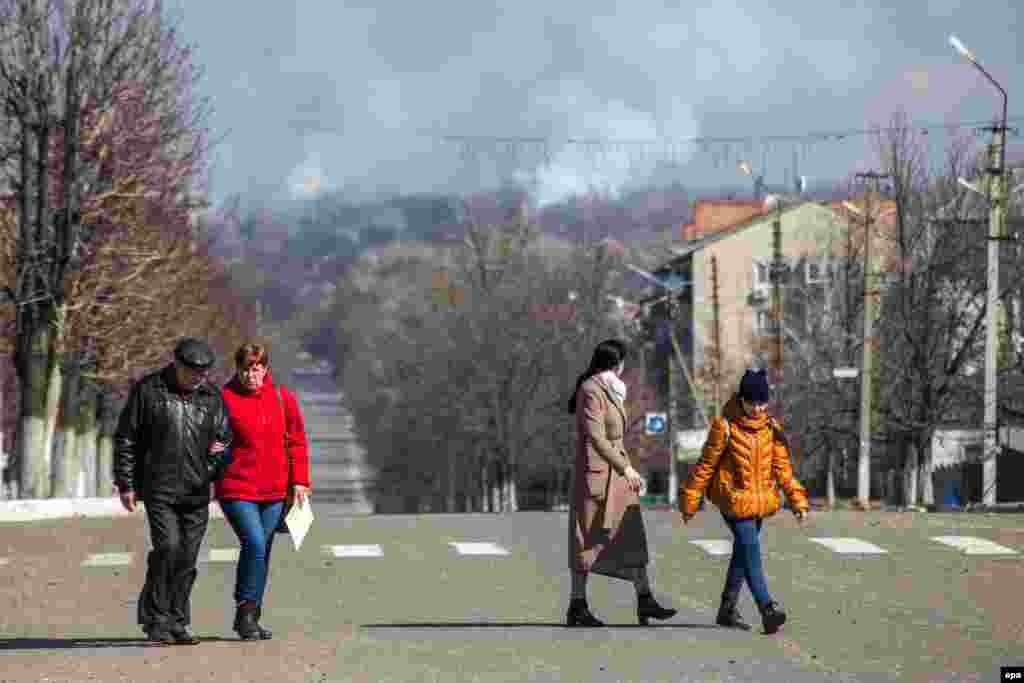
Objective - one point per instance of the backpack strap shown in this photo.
(778, 433)
(284, 423)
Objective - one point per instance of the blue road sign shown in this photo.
(655, 423)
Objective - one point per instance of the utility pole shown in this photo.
(672, 302)
(673, 467)
(716, 335)
(995, 310)
(778, 268)
(868, 346)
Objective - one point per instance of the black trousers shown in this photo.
(177, 531)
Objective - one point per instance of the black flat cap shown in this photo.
(195, 353)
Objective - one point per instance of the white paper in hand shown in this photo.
(299, 519)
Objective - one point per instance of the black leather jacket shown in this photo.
(163, 438)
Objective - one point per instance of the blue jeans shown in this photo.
(745, 564)
(254, 524)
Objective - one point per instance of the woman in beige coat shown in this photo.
(606, 529)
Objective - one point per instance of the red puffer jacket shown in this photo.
(259, 469)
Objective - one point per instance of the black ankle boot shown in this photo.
(648, 608)
(772, 617)
(579, 614)
(245, 622)
(265, 633)
(728, 615)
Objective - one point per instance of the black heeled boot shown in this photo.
(579, 614)
(245, 622)
(728, 615)
(648, 608)
(772, 617)
(265, 633)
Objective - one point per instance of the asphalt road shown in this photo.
(411, 607)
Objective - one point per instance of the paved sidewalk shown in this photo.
(482, 597)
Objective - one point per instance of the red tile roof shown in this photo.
(713, 215)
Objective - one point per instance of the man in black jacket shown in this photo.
(164, 456)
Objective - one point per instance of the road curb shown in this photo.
(38, 510)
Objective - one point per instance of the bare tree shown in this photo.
(930, 328)
(61, 62)
(933, 310)
(459, 399)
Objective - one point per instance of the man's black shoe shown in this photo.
(184, 636)
(160, 636)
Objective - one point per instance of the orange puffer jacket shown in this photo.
(742, 471)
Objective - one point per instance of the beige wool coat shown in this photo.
(606, 530)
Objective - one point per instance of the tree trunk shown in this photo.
(551, 488)
(891, 487)
(54, 384)
(4, 455)
(467, 485)
(437, 493)
(927, 487)
(66, 465)
(496, 486)
(32, 460)
(510, 495)
(910, 476)
(87, 428)
(565, 485)
(452, 483)
(830, 480)
(106, 416)
(485, 484)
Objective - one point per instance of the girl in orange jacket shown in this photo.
(745, 459)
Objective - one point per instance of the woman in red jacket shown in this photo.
(269, 464)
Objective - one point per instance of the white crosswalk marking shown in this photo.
(972, 545)
(3, 561)
(107, 560)
(478, 549)
(353, 550)
(223, 555)
(715, 547)
(850, 546)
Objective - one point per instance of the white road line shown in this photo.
(478, 549)
(222, 555)
(715, 547)
(850, 546)
(353, 550)
(3, 561)
(972, 545)
(107, 560)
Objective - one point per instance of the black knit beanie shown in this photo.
(754, 386)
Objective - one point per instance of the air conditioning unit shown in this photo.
(758, 296)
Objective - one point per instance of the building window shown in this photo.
(762, 322)
(762, 273)
(817, 270)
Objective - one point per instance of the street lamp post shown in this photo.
(867, 349)
(995, 310)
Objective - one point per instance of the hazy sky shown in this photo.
(331, 94)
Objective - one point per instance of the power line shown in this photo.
(816, 135)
